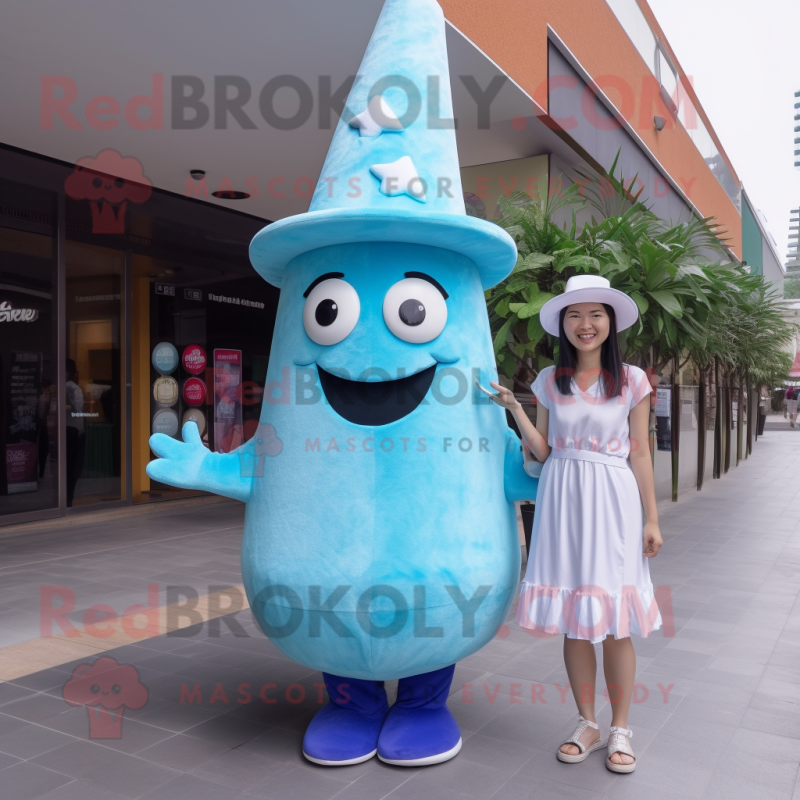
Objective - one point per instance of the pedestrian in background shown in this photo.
(763, 398)
(791, 404)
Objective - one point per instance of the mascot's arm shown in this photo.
(518, 484)
(191, 465)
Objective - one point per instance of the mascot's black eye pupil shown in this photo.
(119, 183)
(412, 312)
(116, 688)
(97, 183)
(326, 313)
(94, 689)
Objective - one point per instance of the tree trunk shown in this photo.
(674, 427)
(701, 431)
(652, 429)
(727, 410)
(719, 439)
(739, 417)
(752, 415)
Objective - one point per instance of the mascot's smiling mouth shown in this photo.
(375, 402)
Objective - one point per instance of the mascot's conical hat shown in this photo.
(392, 172)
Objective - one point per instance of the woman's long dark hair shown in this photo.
(610, 357)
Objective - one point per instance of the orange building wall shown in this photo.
(513, 33)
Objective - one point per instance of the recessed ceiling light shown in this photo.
(230, 194)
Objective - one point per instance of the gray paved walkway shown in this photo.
(729, 726)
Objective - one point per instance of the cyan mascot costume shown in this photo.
(380, 537)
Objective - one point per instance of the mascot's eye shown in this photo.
(116, 688)
(97, 183)
(94, 688)
(119, 183)
(331, 311)
(415, 310)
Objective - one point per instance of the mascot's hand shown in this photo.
(191, 465)
(178, 463)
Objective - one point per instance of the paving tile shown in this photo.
(725, 786)
(227, 731)
(277, 743)
(25, 781)
(236, 769)
(181, 752)
(543, 788)
(42, 681)
(31, 741)
(81, 790)
(379, 781)
(105, 768)
(296, 783)
(36, 708)
(590, 774)
(781, 718)
(9, 692)
(8, 724)
(8, 761)
(762, 758)
(176, 717)
(189, 787)
(506, 756)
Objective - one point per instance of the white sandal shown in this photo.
(618, 742)
(569, 758)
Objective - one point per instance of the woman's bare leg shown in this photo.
(581, 664)
(619, 666)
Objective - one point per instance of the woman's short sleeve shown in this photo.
(539, 388)
(638, 385)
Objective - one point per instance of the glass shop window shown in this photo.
(28, 372)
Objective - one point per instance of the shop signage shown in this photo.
(198, 417)
(22, 452)
(194, 359)
(194, 392)
(236, 301)
(21, 467)
(9, 314)
(165, 391)
(167, 289)
(166, 422)
(165, 357)
(95, 298)
(664, 398)
(192, 294)
(227, 408)
(663, 419)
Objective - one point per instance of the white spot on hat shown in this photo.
(400, 177)
(377, 118)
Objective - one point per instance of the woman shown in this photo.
(587, 575)
(791, 404)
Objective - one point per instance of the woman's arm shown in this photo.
(534, 439)
(642, 467)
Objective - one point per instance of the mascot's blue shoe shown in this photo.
(420, 729)
(345, 731)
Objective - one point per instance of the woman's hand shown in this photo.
(652, 540)
(504, 397)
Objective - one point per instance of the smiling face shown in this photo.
(586, 326)
(377, 320)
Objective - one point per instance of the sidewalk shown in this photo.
(718, 717)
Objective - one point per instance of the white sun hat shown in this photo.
(589, 289)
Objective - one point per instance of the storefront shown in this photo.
(119, 317)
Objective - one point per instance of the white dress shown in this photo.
(587, 576)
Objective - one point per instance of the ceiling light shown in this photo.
(230, 194)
